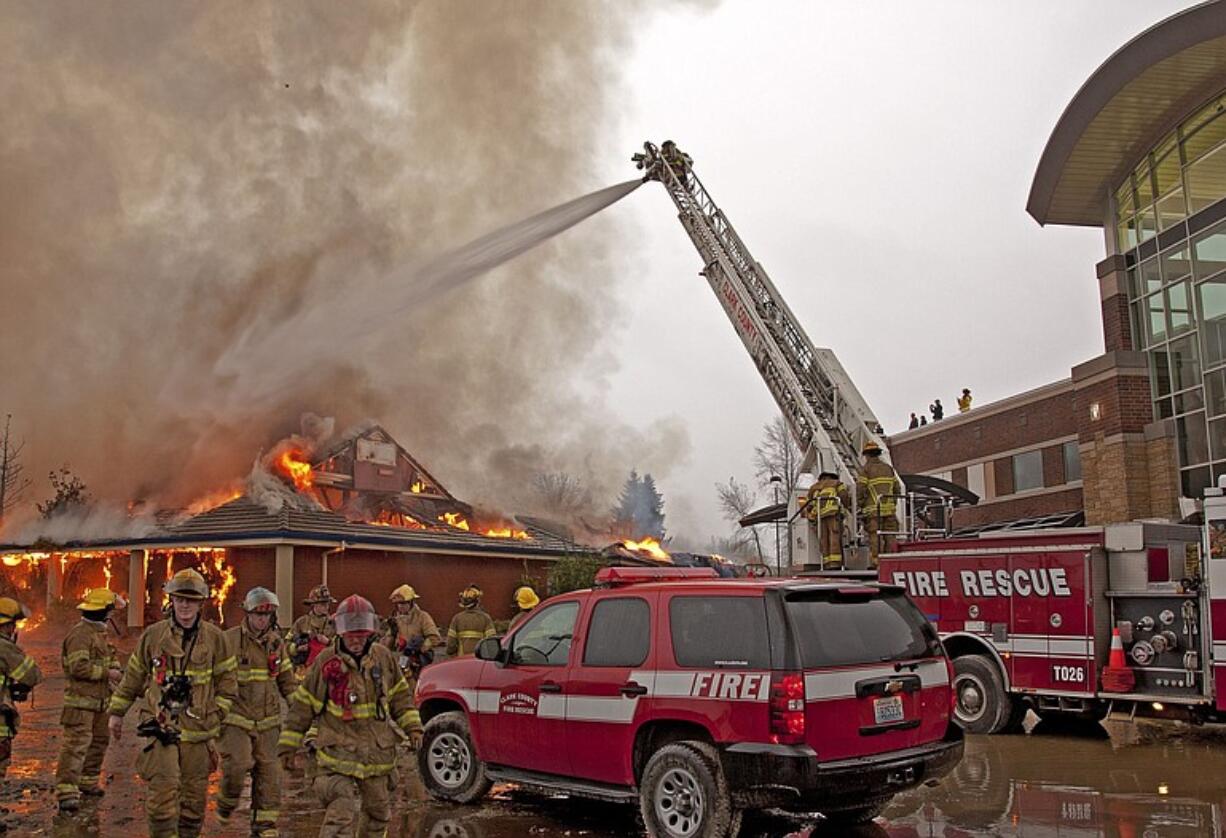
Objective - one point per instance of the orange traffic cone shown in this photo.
(1118, 677)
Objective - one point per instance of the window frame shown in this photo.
(591, 625)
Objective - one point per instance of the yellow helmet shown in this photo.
(99, 599)
(188, 584)
(404, 593)
(526, 598)
(871, 447)
(11, 611)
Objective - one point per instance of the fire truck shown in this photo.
(1028, 618)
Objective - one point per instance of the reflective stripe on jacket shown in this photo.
(87, 656)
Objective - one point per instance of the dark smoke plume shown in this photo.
(177, 177)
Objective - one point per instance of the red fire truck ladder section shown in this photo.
(827, 415)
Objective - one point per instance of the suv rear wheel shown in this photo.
(448, 763)
(981, 705)
(683, 794)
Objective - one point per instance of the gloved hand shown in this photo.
(415, 740)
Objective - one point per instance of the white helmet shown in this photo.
(355, 613)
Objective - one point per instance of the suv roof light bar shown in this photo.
(613, 577)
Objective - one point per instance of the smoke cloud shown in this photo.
(180, 183)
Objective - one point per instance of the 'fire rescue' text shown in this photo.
(1033, 581)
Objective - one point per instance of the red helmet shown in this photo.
(355, 613)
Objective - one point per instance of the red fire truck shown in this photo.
(1029, 618)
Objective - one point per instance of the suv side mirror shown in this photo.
(489, 649)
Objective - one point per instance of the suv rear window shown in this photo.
(835, 629)
(725, 631)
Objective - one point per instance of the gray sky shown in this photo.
(876, 158)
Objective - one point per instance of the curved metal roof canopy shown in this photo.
(1138, 94)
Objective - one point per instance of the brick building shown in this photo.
(1139, 431)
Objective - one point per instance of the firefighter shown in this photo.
(91, 667)
(825, 506)
(248, 744)
(183, 676)
(411, 633)
(876, 491)
(18, 676)
(964, 401)
(356, 695)
(525, 600)
(470, 626)
(313, 630)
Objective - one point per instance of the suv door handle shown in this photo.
(550, 687)
(633, 688)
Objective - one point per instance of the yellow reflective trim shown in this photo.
(269, 723)
(226, 665)
(239, 721)
(290, 738)
(5, 732)
(409, 720)
(451, 632)
(303, 696)
(489, 632)
(224, 703)
(137, 665)
(65, 787)
(267, 814)
(356, 711)
(360, 770)
(397, 688)
(469, 635)
(247, 676)
(83, 702)
(200, 735)
(119, 706)
(22, 668)
(80, 654)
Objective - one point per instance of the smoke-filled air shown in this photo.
(220, 217)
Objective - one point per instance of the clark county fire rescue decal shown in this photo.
(518, 703)
(1033, 581)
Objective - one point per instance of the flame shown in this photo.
(291, 464)
(454, 519)
(212, 500)
(396, 519)
(417, 488)
(106, 572)
(11, 561)
(506, 532)
(650, 546)
(224, 578)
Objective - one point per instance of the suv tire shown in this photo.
(448, 763)
(981, 705)
(683, 794)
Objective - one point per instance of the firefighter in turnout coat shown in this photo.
(91, 668)
(249, 732)
(18, 676)
(825, 506)
(182, 679)
(470, 626)
(876, 491)
(355, 694)
(315, 626)
(411, 633)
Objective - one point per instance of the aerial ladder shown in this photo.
(829, 419)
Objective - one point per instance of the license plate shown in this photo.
(887, 710)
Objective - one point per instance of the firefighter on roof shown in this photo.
(827, 500)
(411, 633)
(249, 731)
(18, 676)
(470, 626)
(355, 693)
(313, 630)
(525, 600)
(877, 488)
(91, 668)
(182, 678)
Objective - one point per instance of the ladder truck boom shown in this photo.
(828, 417)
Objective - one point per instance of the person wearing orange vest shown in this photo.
(827, 502)
(877, 489)
(91, 669)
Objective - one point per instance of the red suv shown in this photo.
(699, 698)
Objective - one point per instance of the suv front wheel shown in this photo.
(448, 763)
(683, 794)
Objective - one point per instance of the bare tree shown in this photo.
(777, 455)
(70, 493)
(736, 500)
(12, 482)
(560, 493)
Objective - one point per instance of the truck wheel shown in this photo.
(684, 794)
(447, 762)
(982, 706)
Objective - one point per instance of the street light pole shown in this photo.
(776, 481)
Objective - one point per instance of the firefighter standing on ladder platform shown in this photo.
(824, 506)
(877, 489)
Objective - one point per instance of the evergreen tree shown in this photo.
(640, 509)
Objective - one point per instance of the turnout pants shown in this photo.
(879, 542)
(830, 530)
(6, 754)
(354, 807)
(251, 752)
(83, 745)
(178, 778)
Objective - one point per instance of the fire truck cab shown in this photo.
(1029, 620)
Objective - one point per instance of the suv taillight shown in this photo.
(787, 708)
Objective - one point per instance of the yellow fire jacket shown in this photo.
(87, 655)
(827, 497)
(874, 487)
(264, 674)
(16, 667)
(165, 651)
(402, 628)
(354, 705)
(468, 628)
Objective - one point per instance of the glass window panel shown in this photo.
(1209, 250)
(1128, 234)
(1134, 283)
(1178, 308)
(1185, 363)
(1145, 187)
(1176, 263)
(1217, 438)
(1028, 471)
(1211, 300)
(1160, 372)
(1166, 172)
(1163, 409)
(1156, 319)
(1138, 325)
(1215, 392)
(1193, 439)
(1072, 462)
(1151, 276)
(1194, 481)
(1125, 201)
(1205, 131)
(1189, 400)
(1146, 225)
(1207, 179)
(1171, 209)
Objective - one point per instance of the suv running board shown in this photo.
(552, 783)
